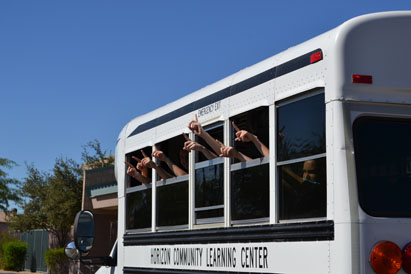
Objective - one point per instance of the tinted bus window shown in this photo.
(209, 181)
(139, 189)
(301, 158)
(301, 128)
(250, 179)
(133, 159)
(138, 209)
(383, 163)
(172, 190)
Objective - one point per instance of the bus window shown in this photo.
(171, 157)
(138, 209)
(209, 181)
(301, 158)
(133, 159)
(138, 202)
(250, 179)
(383, 162)
(172, 188)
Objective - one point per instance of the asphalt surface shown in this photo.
(20, 272)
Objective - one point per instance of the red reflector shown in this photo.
(361, 79)
(315, 57)
(386, 258)
(406, 258)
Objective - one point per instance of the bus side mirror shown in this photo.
(84, 231)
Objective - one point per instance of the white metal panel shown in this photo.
(273, 167)
(344, 250)
(273, 257)
(261, 95)
(374, 230)
(377, 45)
(121, 251)
(119, 166)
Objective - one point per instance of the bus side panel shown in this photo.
(272, 257)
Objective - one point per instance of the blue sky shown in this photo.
(78, 70)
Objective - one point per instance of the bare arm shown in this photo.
(162, 157)
(132, 171)
(228, 151)
(198, 130)
(147, 162)
(245, 136)
(190, 145)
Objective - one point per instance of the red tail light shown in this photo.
(361, 79)
(386, 258)
(406, 258)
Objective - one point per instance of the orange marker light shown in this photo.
(386, 258)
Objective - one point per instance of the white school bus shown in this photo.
(332, 195)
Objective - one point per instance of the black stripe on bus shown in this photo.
(270, 74)
(141, 270)
(307, 231)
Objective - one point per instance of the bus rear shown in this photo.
(375, 107)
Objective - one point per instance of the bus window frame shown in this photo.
(167, 182)
(260, 161)
(279, 164)
(219, 221)
(132, 189)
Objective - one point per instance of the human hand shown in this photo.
(227, 151)
(159, 154)
(190, 145)
(243, 135)
(196, 127)
(131, 170)
(146, 161)
(140, 166)
(280, 134)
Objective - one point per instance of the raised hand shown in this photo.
(228, 151)
(190, 145)
(243, 135)
(196, 127)
(146, 161)
(132, 171)
(140, 166)
(159, 154)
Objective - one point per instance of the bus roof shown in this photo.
(334, 48)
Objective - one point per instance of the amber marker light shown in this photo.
(386, 258)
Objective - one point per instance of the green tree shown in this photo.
(7, 193)
(50, 201)
(94, 157)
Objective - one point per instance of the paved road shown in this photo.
(20, 272)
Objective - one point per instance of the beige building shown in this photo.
(100, 197)
(4, 225)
